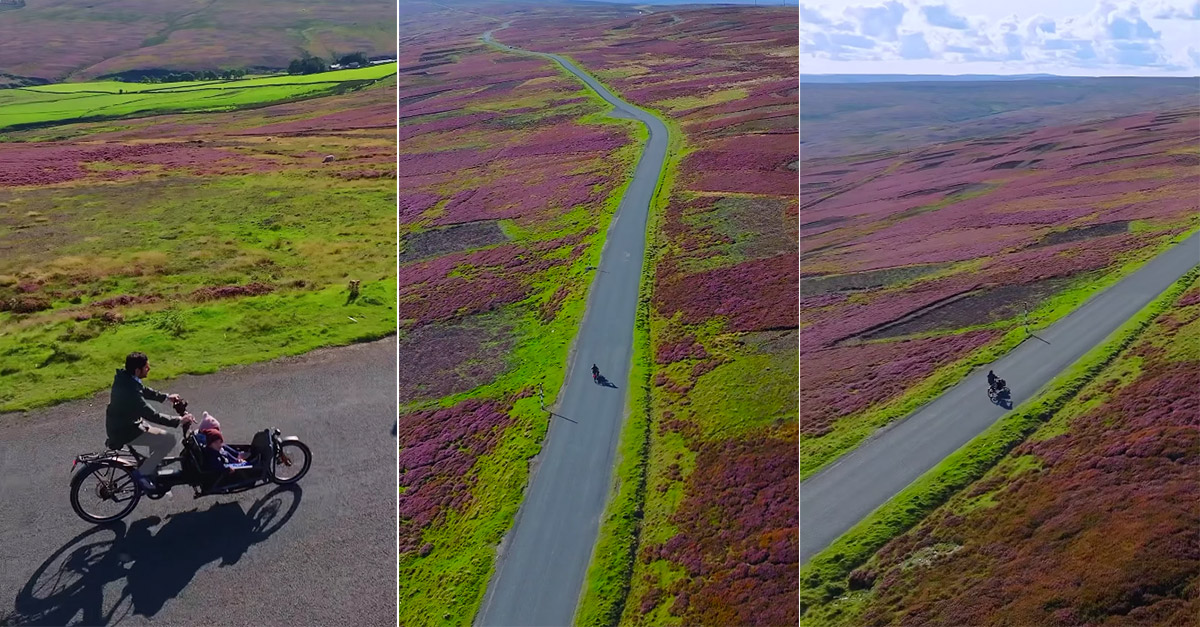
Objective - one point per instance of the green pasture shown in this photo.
(73, 102)
(75, 249)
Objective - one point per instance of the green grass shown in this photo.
(72, 102)
(303, 235)
(824, 578)
(51, 367)
(848, 432)
(683, 103)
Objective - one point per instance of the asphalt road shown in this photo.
(543, 560)
(838, 497)
(322, 552)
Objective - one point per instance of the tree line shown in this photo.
(308, 64)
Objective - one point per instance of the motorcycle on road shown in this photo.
(104, 489)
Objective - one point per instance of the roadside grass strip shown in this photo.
(824, 580)
(607, 584)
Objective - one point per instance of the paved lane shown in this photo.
(544, 558)
(321, 553)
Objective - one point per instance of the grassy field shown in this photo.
(73, 102)
(194, 238)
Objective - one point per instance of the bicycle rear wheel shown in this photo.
(104, 492)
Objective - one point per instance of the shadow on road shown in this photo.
(602, 380)
(563, 417)
(69, 587)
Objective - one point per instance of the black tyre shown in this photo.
(104, 492)
(291, 462)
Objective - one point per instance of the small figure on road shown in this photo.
(128, 412)
(595, 372)
(992, 379)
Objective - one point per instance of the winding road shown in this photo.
(322, 552)
(838, 497)
(543, 560)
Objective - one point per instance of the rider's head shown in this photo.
(137, 364)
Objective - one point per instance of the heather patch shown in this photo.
(737, 573)
(973, 308)
(841, 381)
(817, 285)
(439, 360)
(1086, 232)
(438, 449)
(752, 296)
(732, 229)
(434, 242)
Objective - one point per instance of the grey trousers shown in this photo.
(160, 442)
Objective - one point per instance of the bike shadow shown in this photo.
(602, 380)
(74, 584)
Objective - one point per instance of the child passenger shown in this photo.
(217, 457)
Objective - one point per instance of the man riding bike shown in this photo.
(128, 412)
(595, 372)
(992, 378)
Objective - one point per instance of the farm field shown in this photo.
(919, 265)
(204, 240)
(1090, 520)
(80, 41)
(509, 175)
(703, 527)
(46, 105)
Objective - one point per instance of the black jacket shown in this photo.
(128, 411)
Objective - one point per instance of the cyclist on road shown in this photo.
(128, 412)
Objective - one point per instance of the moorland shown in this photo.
(723, 256)
(922, 261)
(57, 40)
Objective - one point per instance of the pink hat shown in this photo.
(208, 422)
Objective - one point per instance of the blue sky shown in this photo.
(1069, 37)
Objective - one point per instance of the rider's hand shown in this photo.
(188, 419)
(173, 397)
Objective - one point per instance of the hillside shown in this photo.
(857, 118)
(81, 39)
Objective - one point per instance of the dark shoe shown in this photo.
(144, 482)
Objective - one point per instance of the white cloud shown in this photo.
(914, 46)
(941, 15)
(878, 20)
(812, 16)
(1174, 11)
(1107, 37)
